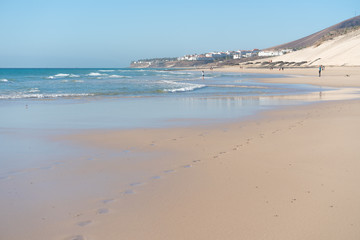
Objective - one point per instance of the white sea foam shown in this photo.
(74, 75)
(117, 76)
(106, 70)
(62, 75)
(76, 81)
(95, 74)
(185, 89)
(38, 95)
(34, 90)
(4, 80)
(182, 87)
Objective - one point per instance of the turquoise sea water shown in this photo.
(65, 83)
(127, 98)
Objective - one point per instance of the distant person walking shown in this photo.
(320, 68)
(203, 74)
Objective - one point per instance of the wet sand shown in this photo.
(290, 173)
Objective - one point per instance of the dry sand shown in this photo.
(330, 76)
(292, 173)
(340, 51)
(288, 174)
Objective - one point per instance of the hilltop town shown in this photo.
(215, 58)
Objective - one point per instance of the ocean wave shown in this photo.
(4, 80)
(106, 70)
(182, 87)
(74, 81)
(95, 74)
(34, 90)
(117, 76)
(63, 75)
(40, 96)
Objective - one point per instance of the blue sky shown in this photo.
(109, 33)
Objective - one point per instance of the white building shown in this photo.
(237, 56)
(270, 53)
(274, 53)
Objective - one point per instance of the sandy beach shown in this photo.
(289, 173)
(330, 76)
(180, 120)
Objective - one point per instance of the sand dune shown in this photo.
(340, 51)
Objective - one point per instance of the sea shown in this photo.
(127, 82)
(126, 97)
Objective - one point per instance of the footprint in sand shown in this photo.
(84, 223)
(195, 161)
(76, 237)
(136, 184)
(156, 177)
(106, 201)
(129, 191)
(169, 171)
(46, 168)
(103, 211)
(187, 166)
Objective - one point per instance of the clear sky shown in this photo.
(110, 33)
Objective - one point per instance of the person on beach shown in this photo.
(203, 74)
(320, 68)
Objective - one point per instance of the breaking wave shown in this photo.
(63, 75)
(117, 76)
(182, 87)
(96, 74)
(41, 96)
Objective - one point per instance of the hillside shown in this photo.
(333, 31)
(343, 50)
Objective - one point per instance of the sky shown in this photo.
(110, 33)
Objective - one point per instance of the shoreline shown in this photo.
(288, 173)
(331, 76)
